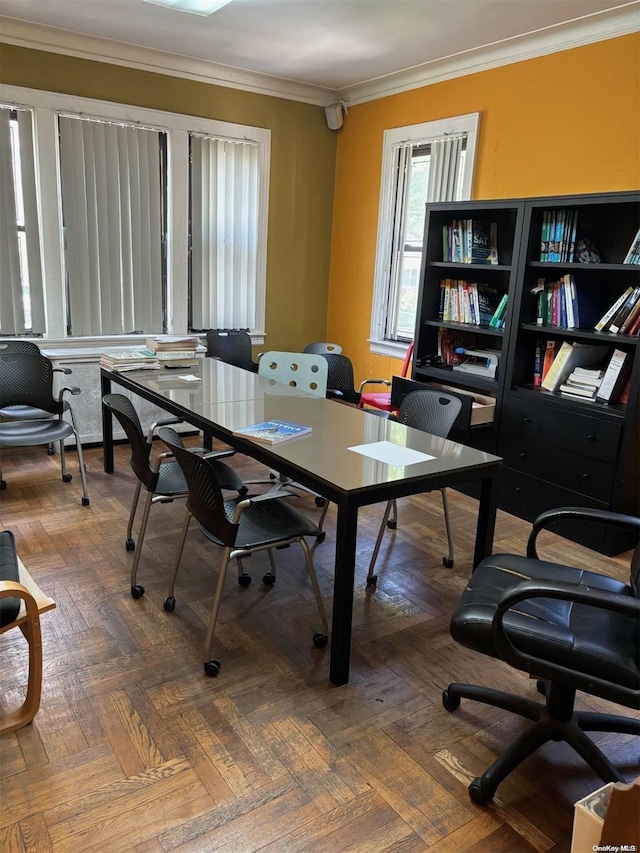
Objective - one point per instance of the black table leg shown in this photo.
(486, 520)
(107, 428)
(346, 534)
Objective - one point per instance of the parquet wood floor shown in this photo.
(135, 749)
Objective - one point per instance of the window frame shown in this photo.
(45, 107)
(415, 134)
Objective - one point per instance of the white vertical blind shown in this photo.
(224, 233)
(112, 209)
(445, 168)
(21, 294)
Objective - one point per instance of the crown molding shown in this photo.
(54, 40)
(600, 26)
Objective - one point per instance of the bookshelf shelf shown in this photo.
(597, 442)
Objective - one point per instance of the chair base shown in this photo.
(555, 720)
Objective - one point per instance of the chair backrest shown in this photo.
(204, 499)
(406, 364)
(431, 411)
(340, 378)
(19, 347)
(27, 380)
(299, 371)
(323, 348)
(232, 346)
(123, 409)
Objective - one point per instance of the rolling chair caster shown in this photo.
(137, 591)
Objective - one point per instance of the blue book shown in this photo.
(272, 432)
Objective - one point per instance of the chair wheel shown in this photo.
(242, 491)
(268, 579)
(319, 501)
(85, 501)
(51, 451)
(447, 563)
(137, 591)
(169, 604)
(450, 703)
(321, 537)
(480, 794)
(212, 667)
(272, 476)
(391, 524)
(320, 641)
(3, 484)
(66, 478)
(244, 579)
(372, 581)
(130, 545)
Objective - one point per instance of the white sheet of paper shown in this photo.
(392, 454)
(189, 377)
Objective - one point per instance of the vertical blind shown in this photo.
(444, 171)
(112, 206)
(224, 233)
(21, 295)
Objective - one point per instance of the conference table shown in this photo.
(390, 460)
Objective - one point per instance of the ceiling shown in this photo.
(332, 45)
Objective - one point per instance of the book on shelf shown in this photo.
(570, 356)
(633, 255)
(626, 390)
(613, 381)
(560, 230)
(449, 340)
(497, 321)
(613, 309)
(550, 350)
(481, 239)
(561, 303)
(273, 432)
(537, 364)
(632, 316)
(620, 317)
(582, 382)
(569, 390)
(482, 362)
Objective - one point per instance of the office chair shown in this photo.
(321, 348)
(163, 480)
(27, 413)
(570, 628)
(21, 603)
(340, 381)
(27, 380)
(232, 346)
(242, 527)
(382, 400)
(433, 412)
(299, 371)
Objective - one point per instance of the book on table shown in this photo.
(162, 343)
(273, 432)
(124, 360)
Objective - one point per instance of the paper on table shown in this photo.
(392, 454)
(189, 377)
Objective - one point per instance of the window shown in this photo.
(130, 233)
(421, 163)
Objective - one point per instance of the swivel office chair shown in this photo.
(232, 346)
(434, 412)
(323, 348)
(163, 480)
(340, 380)
(241, 526)
(382, 400)
(570, 628)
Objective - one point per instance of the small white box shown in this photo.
(588, 819)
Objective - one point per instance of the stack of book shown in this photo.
(568, 358)
(470, 241)
(582, 382)
(633, 255)
(623, 317)
(177, 351)
(124, 360)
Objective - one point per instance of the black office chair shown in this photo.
(242, 526)
(163, 480)
(570, 628)
(323, 349)
(232, 346)
(434, 412)
(340, 381)
(27, 380)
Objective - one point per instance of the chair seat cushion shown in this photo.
(9, 571)
(378, 401)
(31, 433)
(266, 522)
(27, 413)
(587, 640)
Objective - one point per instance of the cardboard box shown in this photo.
(588, 819)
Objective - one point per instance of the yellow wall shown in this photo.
(565, 123)
(301, 180)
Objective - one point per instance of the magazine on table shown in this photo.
(273, 432)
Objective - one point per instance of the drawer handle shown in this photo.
(586, 476)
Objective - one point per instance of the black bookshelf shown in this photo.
(557, 451)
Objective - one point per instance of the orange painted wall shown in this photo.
(564, 123)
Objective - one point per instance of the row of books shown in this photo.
(585, 371)
(559, 235)
(471, 302)
(633, 255)
(470, 241)
(557, 303)
(623, 317)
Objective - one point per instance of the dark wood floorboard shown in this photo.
(135, 749)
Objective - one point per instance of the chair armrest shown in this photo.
(66, 370)
(265, 496)
(162, 422)
(627, 605)
(73, 390)
(373, 382)
(579, 513)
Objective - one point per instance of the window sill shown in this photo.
(392, 349)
